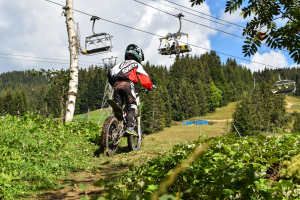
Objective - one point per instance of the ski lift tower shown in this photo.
(108, 63)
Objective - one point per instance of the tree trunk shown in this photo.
(73, 84)
(62, 106)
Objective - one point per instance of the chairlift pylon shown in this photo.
(101, 42)
(174, 38)
(283, 86)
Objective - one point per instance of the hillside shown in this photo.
(153, 145)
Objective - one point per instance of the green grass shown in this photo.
(94, 115)
(153, 145)
(35, 152)
(293, 103)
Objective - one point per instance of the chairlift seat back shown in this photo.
(100, 39)
(98, 35)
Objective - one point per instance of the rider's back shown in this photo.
(129, 70)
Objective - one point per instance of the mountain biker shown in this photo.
(123, 77)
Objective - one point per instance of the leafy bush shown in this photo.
(292, 168)
(233, 168)
(36, 151)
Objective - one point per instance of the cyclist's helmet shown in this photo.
(134, 52)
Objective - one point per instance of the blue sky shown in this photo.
(36, 28)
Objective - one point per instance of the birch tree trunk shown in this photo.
(73, 84)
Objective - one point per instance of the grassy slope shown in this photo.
(94, 115)
(153, 144)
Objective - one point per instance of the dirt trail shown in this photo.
(289, 105)
(71, 190)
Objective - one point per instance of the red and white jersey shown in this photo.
(129, 70)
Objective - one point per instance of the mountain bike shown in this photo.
(113, 129)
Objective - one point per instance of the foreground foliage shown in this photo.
(36, 151)
(233, 168)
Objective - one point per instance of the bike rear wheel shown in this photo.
(108, 136)
(134, 142)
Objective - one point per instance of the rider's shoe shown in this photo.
(130, 131)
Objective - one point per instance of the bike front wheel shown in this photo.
(109, 136)
(134, 142)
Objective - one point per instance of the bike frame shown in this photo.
(121, 118)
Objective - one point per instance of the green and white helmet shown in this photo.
(133, 51)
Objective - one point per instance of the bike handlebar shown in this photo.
(145, 90)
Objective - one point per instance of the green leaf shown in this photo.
(152, 187)
(135, 195)
(227, 149)
(81, 186)
(167, 197)
(131, 168)
(273, 160)
(266, 195)
(227, 192)
(252, 175)
(105, 163)
(101, 198)
(84, 198)
(99, 183)
(147, 196)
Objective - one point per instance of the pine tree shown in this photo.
(8, 103)
(297, 123)
(267, 105)
(19, 104)
(201, 98)
(25, 103)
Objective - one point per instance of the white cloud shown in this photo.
(233, 18)
(294, 65)
(277, 59)
(36, 28)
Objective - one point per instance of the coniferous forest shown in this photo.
(192, 86)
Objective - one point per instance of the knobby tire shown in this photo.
(133, 143)
(110, 124)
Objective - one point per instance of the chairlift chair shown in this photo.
(174, 48)
(102, 42)
(283, 86)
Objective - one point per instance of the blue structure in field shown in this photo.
(196, 122)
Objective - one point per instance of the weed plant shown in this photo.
(36, 151)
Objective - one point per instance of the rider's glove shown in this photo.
(153, 87)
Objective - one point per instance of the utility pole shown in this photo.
(73, 48)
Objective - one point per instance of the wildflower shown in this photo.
(34, 134)
(18, 112)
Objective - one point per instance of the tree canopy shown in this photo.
(263, 28)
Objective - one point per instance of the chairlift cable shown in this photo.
(189, 20)
(39, 61)
(200, 24)
(41, 57)
(205, 14)
(163, 36)
(196, 15)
